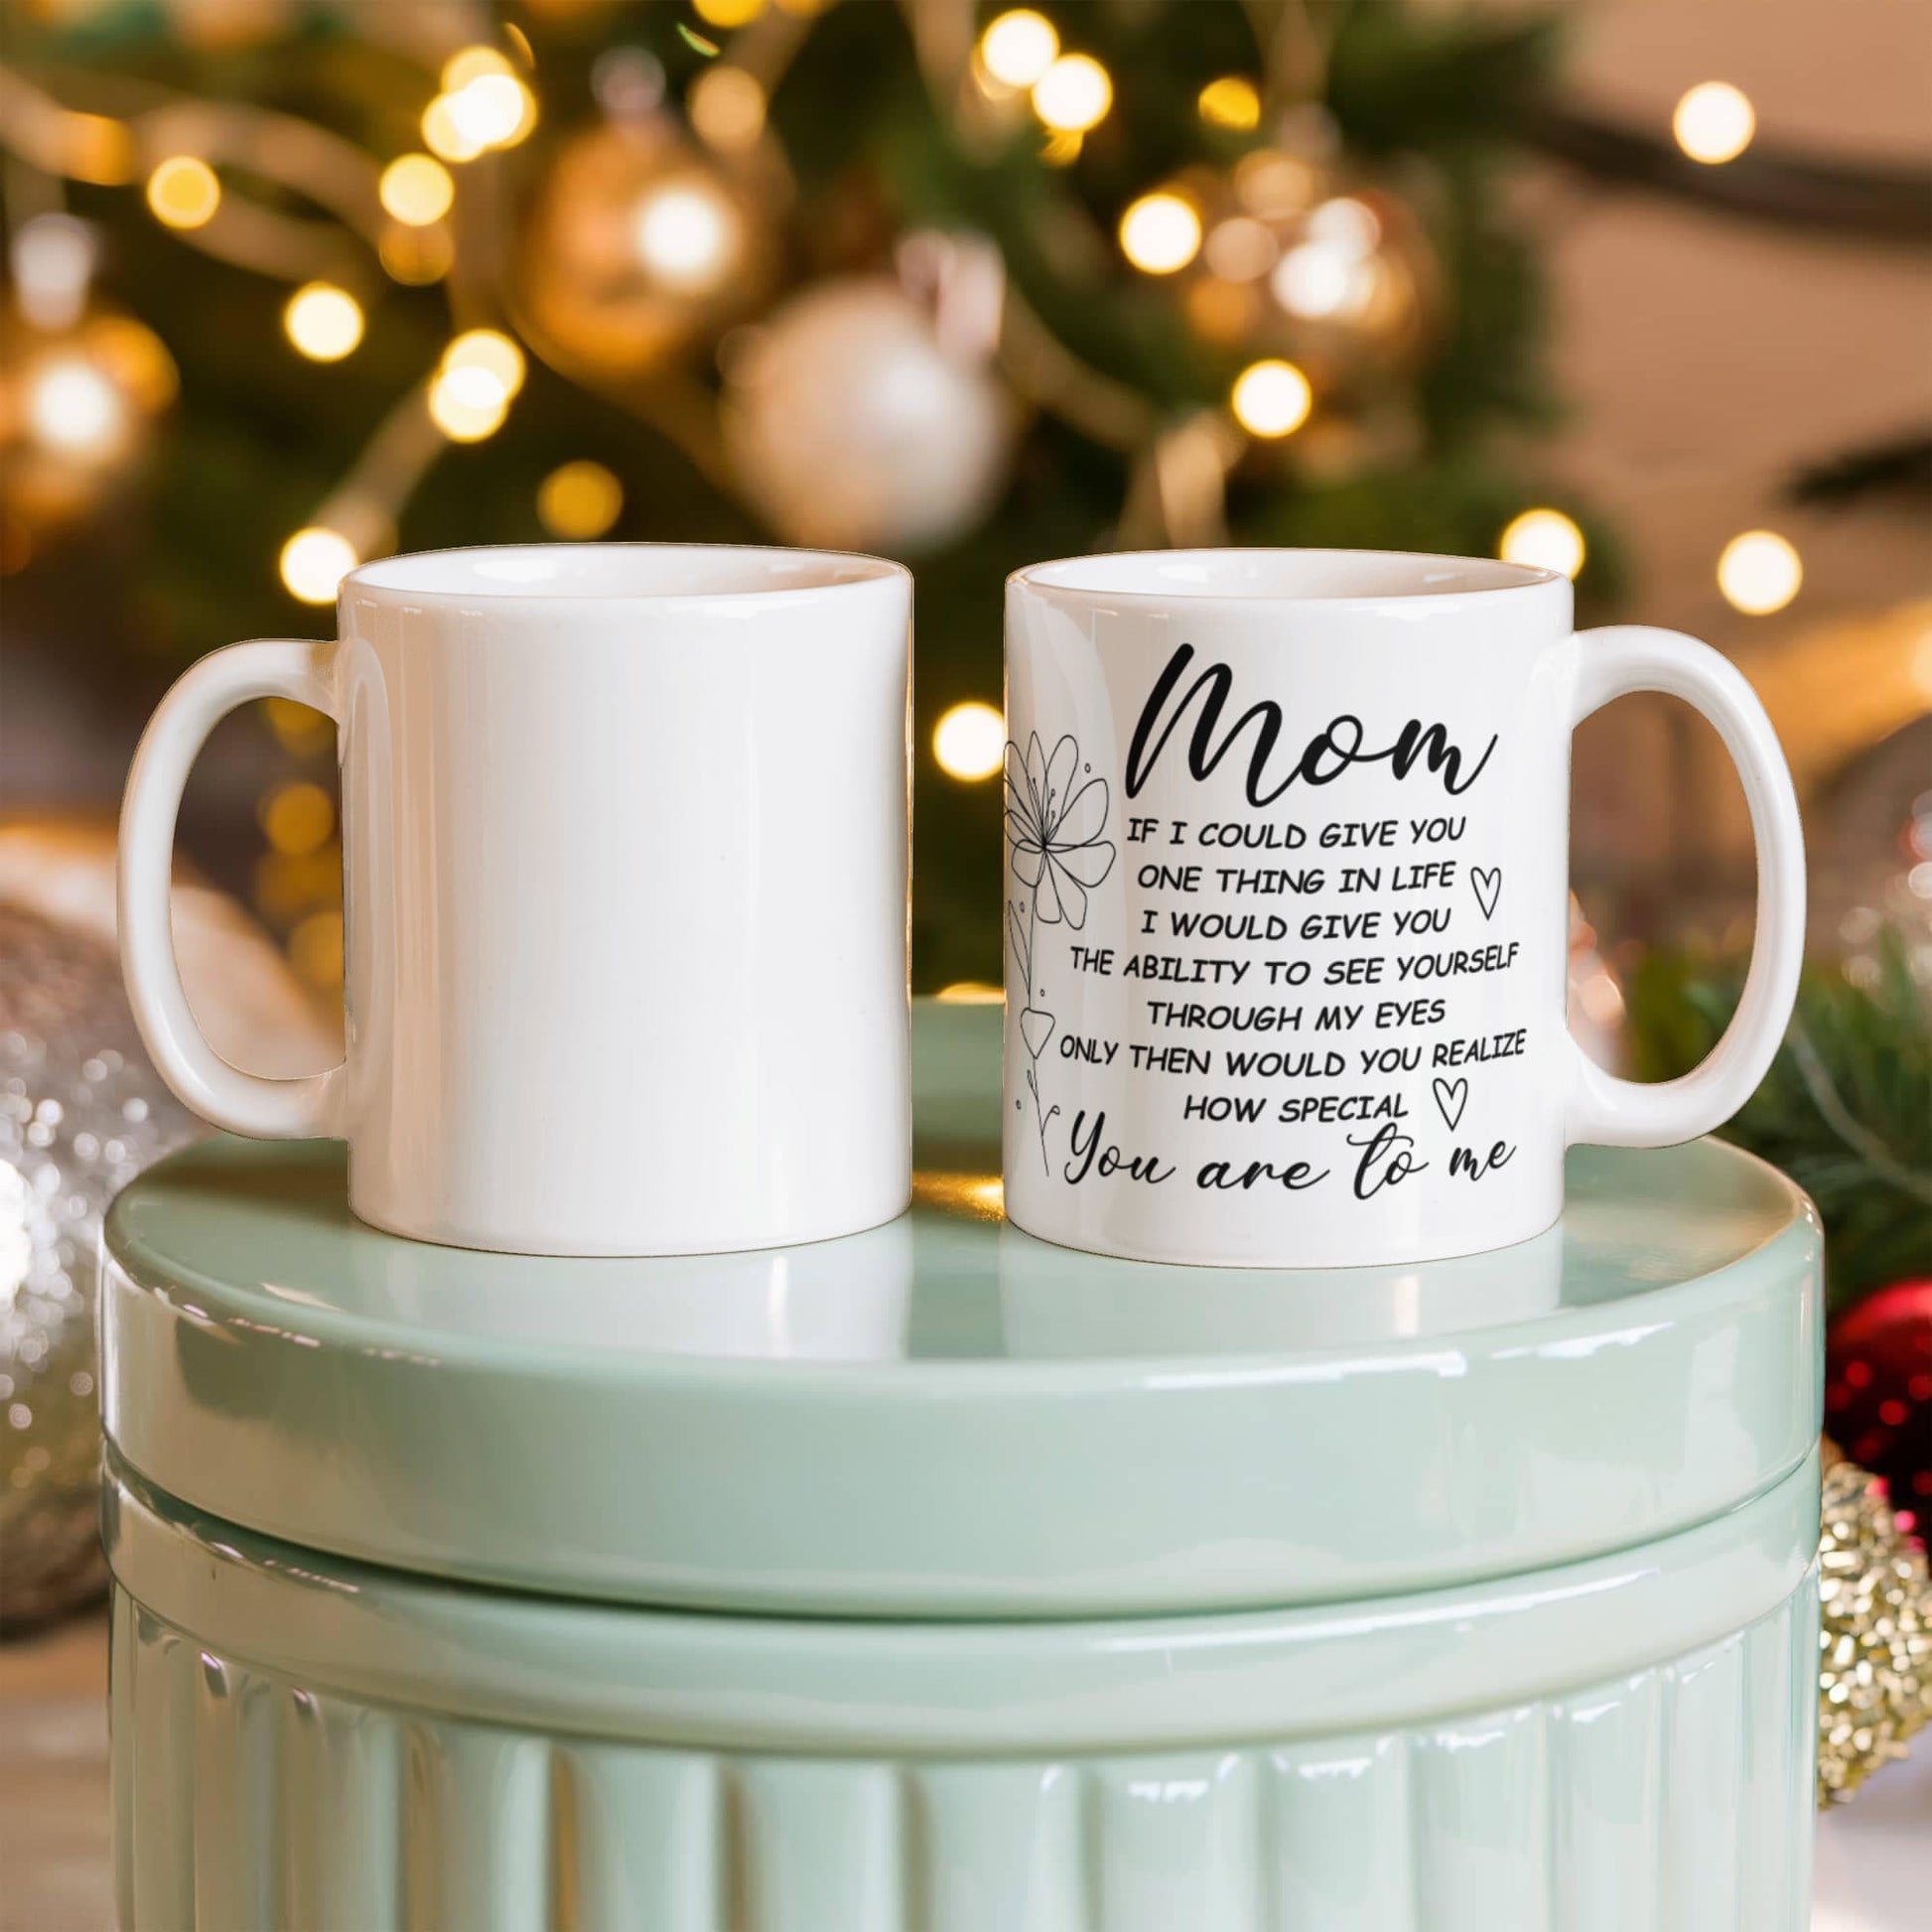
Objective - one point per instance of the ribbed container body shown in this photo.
(1672, 1798)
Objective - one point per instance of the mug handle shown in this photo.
(243, 1103)
(1602, 1109)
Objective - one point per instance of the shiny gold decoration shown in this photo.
(638, 246)
(977, 1195)
(1874, 1681)
(75, 405)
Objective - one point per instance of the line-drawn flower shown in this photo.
(1053, 826)
(1054, 829)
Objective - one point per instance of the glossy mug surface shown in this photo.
(1287, 894)
(626, 864)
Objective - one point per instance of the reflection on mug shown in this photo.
(1057, 1304)
(842, 1300)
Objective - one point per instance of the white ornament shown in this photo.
(852, 429)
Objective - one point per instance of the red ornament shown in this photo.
(1879, 1393)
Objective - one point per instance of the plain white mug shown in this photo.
(1286, 880)
(625, 881)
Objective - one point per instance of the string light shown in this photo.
(579, 500)
(687, 234)
(1714, 122)
(444, 136)
(416, 256)
(1759, 571)
(470, 392)
(971, 992)
(1272, 398)
(416, 190)
(1160, 233)
(1074, 95)
(296, 818)
(72, 407)
(1273, 185)
(491, 350)
(970, 742)
(316, 949)
(324, 323)
(1543, 540)
(1241, 250)
(467, 404)
(315, 561)
(495, 111)
(727, 107)
(473, 63)
(1019, 46)
(1232, 101)
(182, 192)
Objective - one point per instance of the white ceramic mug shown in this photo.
(1287, 904)
(624, 882)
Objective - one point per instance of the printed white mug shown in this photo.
(624, 877)
(1287, 882)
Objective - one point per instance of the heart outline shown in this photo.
(1446, 1091)
(1492, 876)
(1031, 1018)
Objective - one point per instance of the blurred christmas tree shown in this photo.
(968, 287)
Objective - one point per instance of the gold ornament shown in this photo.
(1874, 1681)
(75, 405)
(638, 246)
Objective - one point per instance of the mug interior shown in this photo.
(1313, 576)
(617, 570)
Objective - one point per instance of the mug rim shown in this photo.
(1086, 578)
(528, 572)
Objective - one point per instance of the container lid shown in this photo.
(944, 1416)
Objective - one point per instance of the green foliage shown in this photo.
(1425, 103)
(1845, 1109)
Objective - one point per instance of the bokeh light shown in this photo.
(1272, 398)
(1231, 101)
(297, 819)
(416, 190)
(1019, 46)
(727, 13)
(1543, 540)
(1759, 571)
(468, 402)
(1714, 122)
(182, 192)
(579, 501)
(473, 63)
(687, 233)
(316, 949)
(970, 742)
(1160, 233)
(73, 407)
(727, 107)
(1241, 250)
(489, 350)
(1074, 95)
(314, 561)
(444, 136)
(324, 322)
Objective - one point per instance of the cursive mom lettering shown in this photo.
(1324, 756)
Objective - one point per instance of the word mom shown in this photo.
(1322, 760)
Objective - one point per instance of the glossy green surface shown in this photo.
(944, 1416)
(1619, 1743)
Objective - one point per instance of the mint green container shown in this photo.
(941, 1581)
